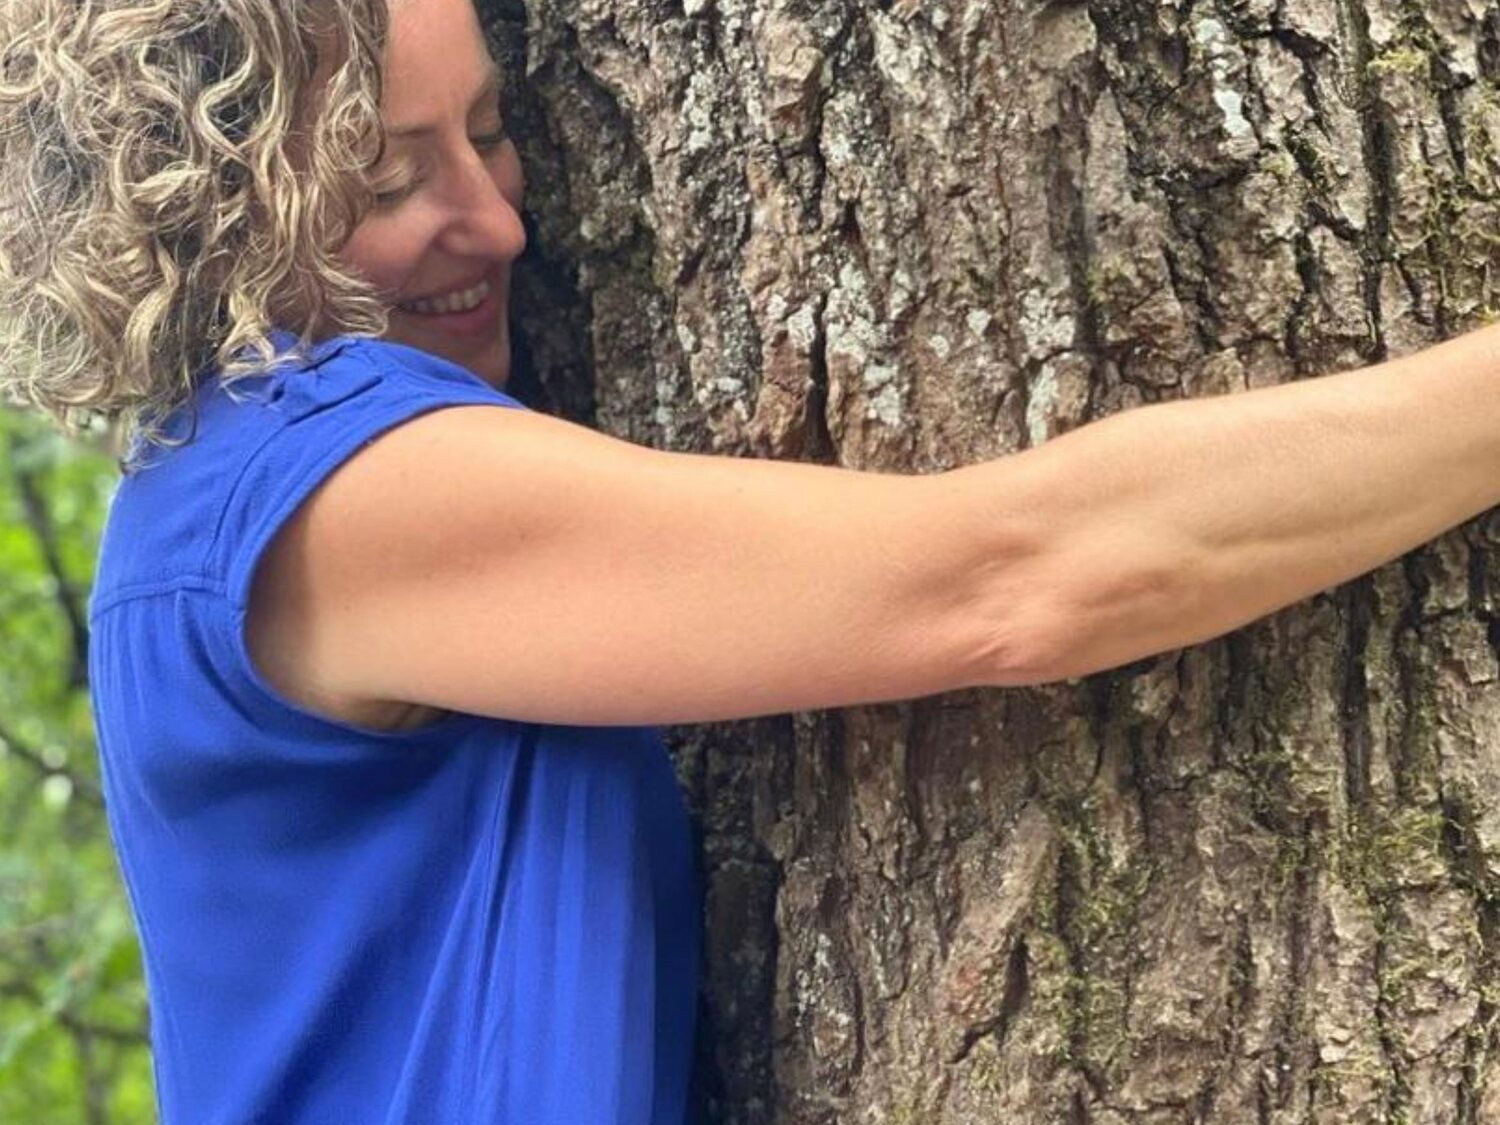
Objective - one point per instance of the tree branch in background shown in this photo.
(125, 1036)
(85, 787)
(95, 1093)
(39, 519)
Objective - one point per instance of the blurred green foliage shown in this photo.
(73, 1027)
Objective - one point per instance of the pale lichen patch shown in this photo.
(1041, 405)
(1226, 63)
(1046, 329)
(802, 327)
(886, 407)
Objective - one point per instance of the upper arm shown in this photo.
(503, 562)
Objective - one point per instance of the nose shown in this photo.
(486, 215)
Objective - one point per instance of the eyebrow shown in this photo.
(492, 83)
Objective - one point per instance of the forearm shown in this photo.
(1171, 524)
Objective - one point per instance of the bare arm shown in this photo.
(1171, 524)
(502, 562)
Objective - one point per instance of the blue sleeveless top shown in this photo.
(480, 920)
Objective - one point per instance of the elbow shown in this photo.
(1061, 630)
(1021, 630)
(1025, 641)
(1029, 653)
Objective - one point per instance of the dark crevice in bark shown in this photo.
(861, 1020)
(1322, 207)
(920, 727)
(1238, 1006)
(1141, 783)
(1356, 603)
(1012, 1000)
(1387, 1016)
(1447, 86)
(1484, 578)
(1078, 1109)
(1406, 649)
(549, 296)
(1190, 278)
(820, 444)
(807, 152)
(708, 29)
(1440, 80)
(1150, 70)
(1151, 63)
(1489, 44)
(733, 1058)
(1492, 633)
(1339, 225)
(1070, 892)
(1293, 999)
(1097, 898)
(1099, 693)
(1309, 273)
(1379, 164)
(1308, 50)
(1413, 286)
(851, 236)
(1067, 156)
(1230, 700)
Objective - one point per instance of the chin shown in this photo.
(490, 360)
(492, 364)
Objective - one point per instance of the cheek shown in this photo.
(385, 253)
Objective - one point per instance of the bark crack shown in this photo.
(1359, 89)
(1357, 605)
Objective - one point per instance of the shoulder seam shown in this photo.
(254, 454)
(134, 591)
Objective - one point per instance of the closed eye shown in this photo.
(490, 141)
(485, 143)
(393, 196)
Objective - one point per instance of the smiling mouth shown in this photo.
(464, 300)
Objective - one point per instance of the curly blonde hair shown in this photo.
(163, 202)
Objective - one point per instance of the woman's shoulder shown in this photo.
(243, 408)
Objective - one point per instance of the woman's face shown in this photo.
(446, 226)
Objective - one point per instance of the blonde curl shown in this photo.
(172, 188)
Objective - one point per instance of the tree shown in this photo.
(1253, 881)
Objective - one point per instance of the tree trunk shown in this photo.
(1254, 881)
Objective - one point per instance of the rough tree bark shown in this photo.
(1255, 881)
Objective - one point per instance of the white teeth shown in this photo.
(464, 301)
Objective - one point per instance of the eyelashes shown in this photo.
(491, 141)
(485, 144)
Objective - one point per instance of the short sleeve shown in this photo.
(326, 415)
(329, 413)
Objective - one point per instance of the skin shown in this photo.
(453, 192)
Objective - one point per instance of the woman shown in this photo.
(377, 652)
